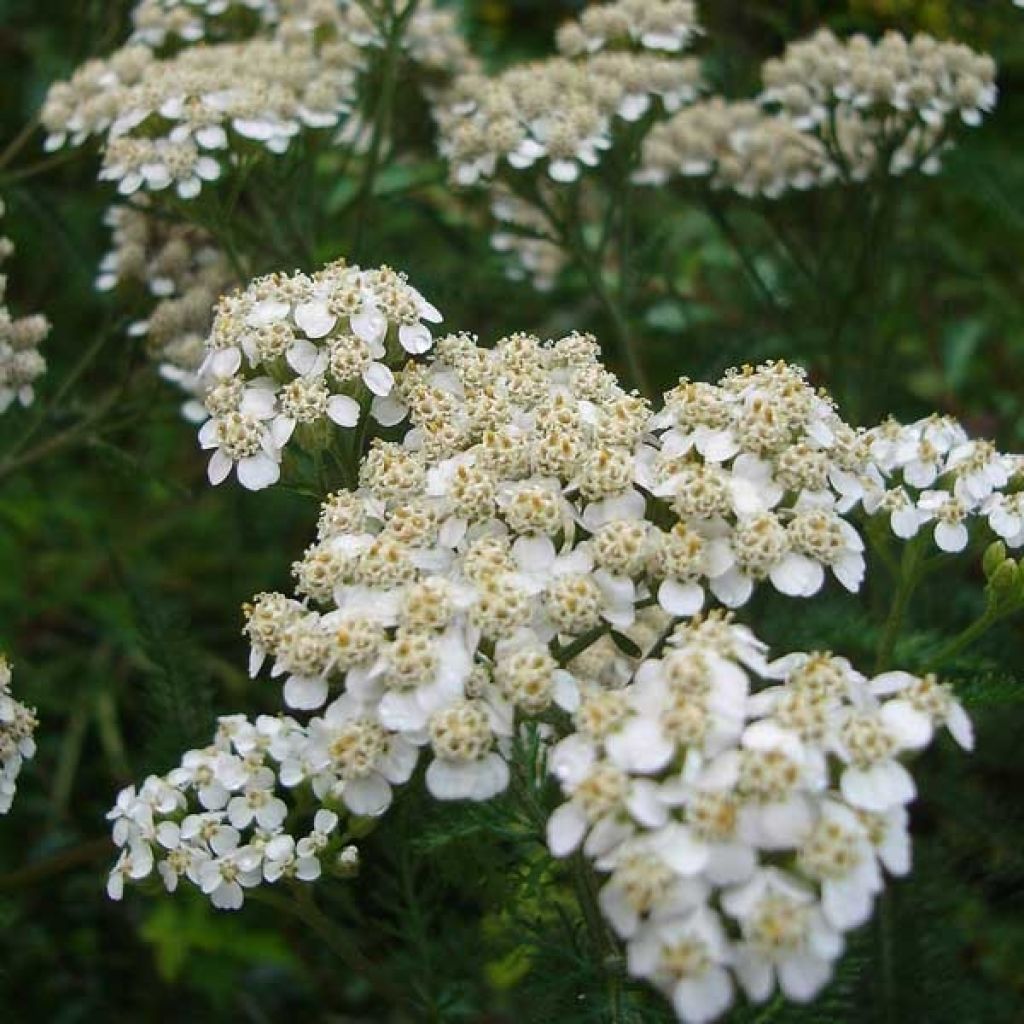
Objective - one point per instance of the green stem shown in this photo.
(906, 583)
(964, 639)
(600, 936)
(381, 120)
(344, 948)
(624, 336)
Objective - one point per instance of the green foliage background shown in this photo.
(121, 575)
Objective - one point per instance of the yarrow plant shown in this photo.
(17, 744)
(549, 602)
(541, 552)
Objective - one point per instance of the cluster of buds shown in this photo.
(21, 362)
(17, 728)
(743, 812)
(293, 354)
(183, 272)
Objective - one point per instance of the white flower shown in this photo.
(785, 936)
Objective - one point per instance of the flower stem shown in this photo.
(341, 945)
(381, 119)
(906, 583)
(964, 639)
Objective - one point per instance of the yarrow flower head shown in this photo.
(171, 123)
(559, 115)
(883, 106)
(695, 788)
(21, 362)
(202, 84)
(17, 745)
(734, 145)
(292, 354)
(183, 272)
(533, 557)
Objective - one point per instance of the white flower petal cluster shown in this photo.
(667, 26)
(300, 352)
(439, 594)
(220, 820)
(734, 145)
(184, 272)
(880, 106)
(21, 362)
(157, 22)
(930, 475)
(560, 115)
(743, 813)
(173, 123)
(17, 745)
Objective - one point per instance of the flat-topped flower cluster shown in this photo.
(562, 114)
(21, 362)
(202, 87)
(17, 730)
(830, 110)
(542, 547)
(743, 812)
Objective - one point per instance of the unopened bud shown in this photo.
(994, 557)
(347, 863)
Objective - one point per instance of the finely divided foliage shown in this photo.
(512, 546)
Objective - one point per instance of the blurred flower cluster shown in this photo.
(17, 745)
(21, 362)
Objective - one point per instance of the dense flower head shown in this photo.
(743, 812)
(929, 475)
(17, 745)
(201, 85)
(559, 115)
(172, 123)
(885, 105)
(21, 362)
(222, 820)
(184, 273)
(535, 553)
(734, 145)
(667, 26)
(296, 353)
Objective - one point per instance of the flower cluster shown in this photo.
(17, 726)
(743, 826)
(734, 145)
(930, 474)
(156, 23)
(560, 114)
(218, 820)
(170, 123)
(538, 547)
(183, 272)
(880, 106)
(21, 362)
(666, 26)
(293, 353)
